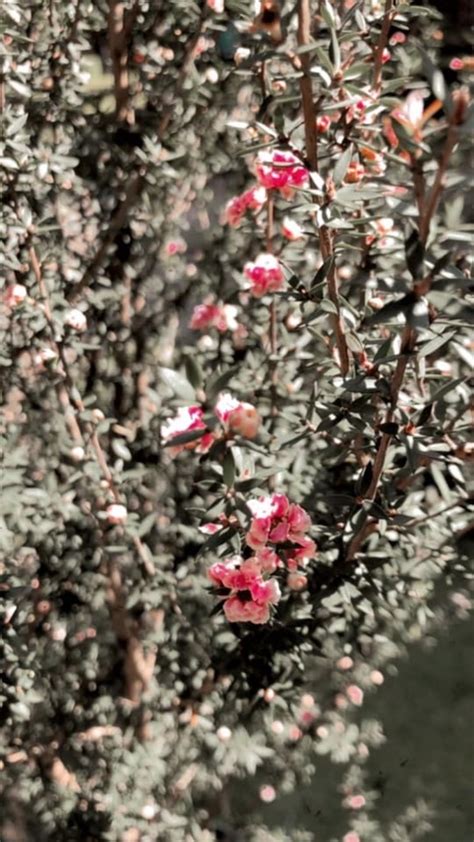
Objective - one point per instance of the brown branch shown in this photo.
(408, 342)
(306, 87)
(132, 193)
(382, 43)
(326, 236)
(435, 193)
(118, 32)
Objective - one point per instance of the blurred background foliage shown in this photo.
(128, 712)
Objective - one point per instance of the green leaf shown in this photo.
(415, 254)
(177, 383)
(193, 372)
(228, 468)
(342, 164)
(185, 438)
(436, 343)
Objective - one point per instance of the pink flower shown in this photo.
(267, 793)
(235, 210)
(355, 802)
(377, 677)
(14, 295)
(357, 110)
(173, 247)
(276, 521)
(238, 416)
(217, 6)
(456, 64)
(248, 611)
(386, 56)
(116, 514)
(297, 581)
(252, 606)
(355, 694)
(76, 320)
(210, 528)
(280, 170)
(267, 559)
(252, 199)
(354, 173)
(220, 316)
(352, 836)
(397, 38)
(265, 275)
(291, 230)
(298, 519)
(345, 663)
(323, 123)
(255, 198)
(189, 418)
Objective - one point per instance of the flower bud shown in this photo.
(76, 320)
(116, 514)
(14, 295)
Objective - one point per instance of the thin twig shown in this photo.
(437, 188)
(408, 341)
(382, 43)
(326, 236)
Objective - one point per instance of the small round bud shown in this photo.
(77, 453)
(267, 793)
(224, 734)
(14, 295)
(76, 320)
(116, 514)
(297, 581)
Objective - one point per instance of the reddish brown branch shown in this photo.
(408, 342)
(382, 43)
(118, 33)
(434, 196)
(326, 236)
(306, 87)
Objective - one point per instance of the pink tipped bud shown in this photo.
(345, 663)
(15, 295)
(355, 802)
(355, 694)
(267, 793)
(291, 230)
(297, 581)
(456, 64)
(323, 123)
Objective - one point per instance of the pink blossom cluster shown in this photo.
(252, 589)
(265, 275)
(220, 316)
(277, 521)
(251, 596)
(237, 417)
(237, 207)
(279, 169)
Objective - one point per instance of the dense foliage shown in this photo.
(234, 358)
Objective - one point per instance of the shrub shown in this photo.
(234, 359)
